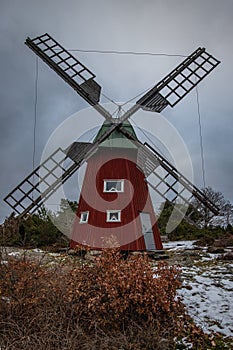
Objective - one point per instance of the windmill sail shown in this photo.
(66, 65)
(178, 83)
(40, 184)
(171, 185)
(73, 72)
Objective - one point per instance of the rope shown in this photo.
(35, 120)
(133, 98)
(149, 138)
(201, 139)
(135, 53)
(130, 100)
(35, 115)
(109, 99)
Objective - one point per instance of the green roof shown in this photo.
(117, 138)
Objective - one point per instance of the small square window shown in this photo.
(113, 215)
(113, 185)
(84, 217)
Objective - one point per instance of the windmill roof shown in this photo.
(117, 138)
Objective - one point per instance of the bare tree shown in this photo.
(228, 214)
(225, 216)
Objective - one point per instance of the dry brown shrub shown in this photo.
(110, 304)
(115, 291)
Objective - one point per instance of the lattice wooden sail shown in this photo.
(40, 184)
(177, 84)
(172, 186)
(72, 71)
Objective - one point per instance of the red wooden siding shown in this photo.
(112, 163)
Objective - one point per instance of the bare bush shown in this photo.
(110, 304)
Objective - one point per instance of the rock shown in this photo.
(227, 256)
(204, 241)
(215, 250)
(225, 241)
(187, 286)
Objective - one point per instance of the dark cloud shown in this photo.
(162, 26)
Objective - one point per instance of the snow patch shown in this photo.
(177, 245)
(207, 290)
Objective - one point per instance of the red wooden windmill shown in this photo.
(115, 203)
(115, 207)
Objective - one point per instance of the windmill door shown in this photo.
(147, 231)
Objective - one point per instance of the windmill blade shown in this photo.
(40, 184)
(79, 77)
(177, 84)
(169, 183)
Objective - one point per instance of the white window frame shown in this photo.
(109, 212)
(121, 181)
(81, 221)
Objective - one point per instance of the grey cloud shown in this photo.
(174, 27)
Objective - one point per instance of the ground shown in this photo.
(207, 285)
(207, 281)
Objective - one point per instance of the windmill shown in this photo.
(118, 163)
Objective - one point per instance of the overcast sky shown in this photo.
(159, 26)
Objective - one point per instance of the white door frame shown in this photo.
(147, 230)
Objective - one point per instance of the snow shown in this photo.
(207, 289)
(178, 245)
(37, 250)
(4, 262)
(209, 301)
(14, 253)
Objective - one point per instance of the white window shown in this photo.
(113, 215)
(113, 185)
(84, 217)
